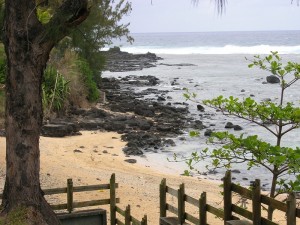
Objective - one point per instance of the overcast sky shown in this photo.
(240, 15)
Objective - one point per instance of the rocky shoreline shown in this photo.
(147, 125)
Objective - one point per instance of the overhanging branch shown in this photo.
(69, 15)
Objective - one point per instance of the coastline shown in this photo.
(92, 157)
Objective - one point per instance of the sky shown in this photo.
(240, 15)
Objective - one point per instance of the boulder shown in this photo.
(59, 130)
(208, 132)
(229, 125)
(237, 127)
(200, 108)
(273, 79)
(115, 126)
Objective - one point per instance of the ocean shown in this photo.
(246, 42)
(219, 67)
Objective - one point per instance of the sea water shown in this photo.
(219, 67)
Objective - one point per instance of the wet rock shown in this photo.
(197, 124)
(237, 127)
(208, 132)
(235, 171)
(132, 151)
(229, 125)
(200, 108)
(169, 142)
(160, 98)
(118, 61)
(273, 79)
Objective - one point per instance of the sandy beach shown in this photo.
(92, 157)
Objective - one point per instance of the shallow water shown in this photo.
(211, 76)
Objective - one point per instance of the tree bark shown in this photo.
(27, 45)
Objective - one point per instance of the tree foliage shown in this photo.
(101, 27)
(278, 118)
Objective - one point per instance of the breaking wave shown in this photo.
(227, 49)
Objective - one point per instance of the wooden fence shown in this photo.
(128, 218)
(70, 205)
(257, 199)
(227, 213)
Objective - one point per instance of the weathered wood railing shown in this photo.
(70, 205)
(289, 208)
(128, 218)
(182, 215)
(291, 212)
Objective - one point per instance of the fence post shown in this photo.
(163, 198)
(69, 195)
(227, 197)
(202, 209)
(112, 189)
(256, 202)
(181, 204)
(127, 215)
(144, 220)
(291, 209)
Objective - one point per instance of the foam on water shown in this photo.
(227, 49)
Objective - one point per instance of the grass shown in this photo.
(15, 217)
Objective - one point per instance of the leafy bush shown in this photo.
(283, 116)
(55, 89)
(87, 76)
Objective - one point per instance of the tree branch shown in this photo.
(69, 15)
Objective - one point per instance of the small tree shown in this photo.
(277, 118)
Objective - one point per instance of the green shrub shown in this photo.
(87, 76)
(55, 89)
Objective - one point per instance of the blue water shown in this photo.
(246, 42)
(219, 68)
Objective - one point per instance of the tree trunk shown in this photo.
(26, 62)
(23, 122)
(27, 45)
(272, 192)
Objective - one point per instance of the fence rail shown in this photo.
(128, 218)
(70, 205)
(289, 208)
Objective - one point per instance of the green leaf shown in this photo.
(194, 133)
